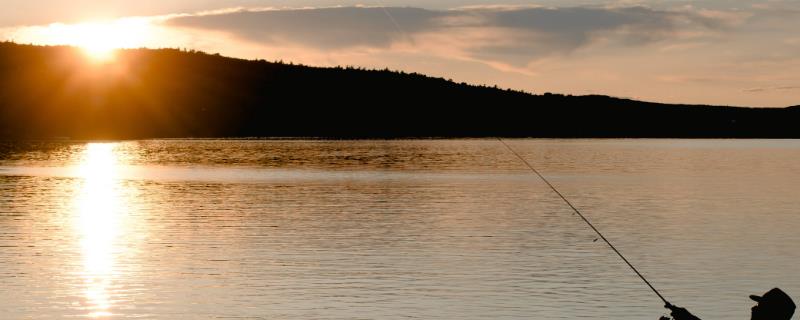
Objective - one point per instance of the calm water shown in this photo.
(452, 229)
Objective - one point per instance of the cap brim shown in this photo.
(756, 298)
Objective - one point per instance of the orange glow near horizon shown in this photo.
(99, 40)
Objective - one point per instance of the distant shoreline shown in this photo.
(168, 93)
(80, 141)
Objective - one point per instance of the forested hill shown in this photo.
(48, 92)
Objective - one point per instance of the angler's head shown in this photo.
(773, 305)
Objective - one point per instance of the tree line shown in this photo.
(55, 91)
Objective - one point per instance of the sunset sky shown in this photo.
(731, 52)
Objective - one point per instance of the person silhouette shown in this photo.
(773, 305)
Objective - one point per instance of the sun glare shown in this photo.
(99, 40)
(100, 209)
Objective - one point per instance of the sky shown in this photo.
(724, 52)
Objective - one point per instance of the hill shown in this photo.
(50, 92)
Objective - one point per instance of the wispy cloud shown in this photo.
(515, 35)
(776, 88)
(324, 28)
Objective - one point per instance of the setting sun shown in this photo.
(99, 39)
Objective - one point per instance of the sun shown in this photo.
(100, 40)
(97, 41)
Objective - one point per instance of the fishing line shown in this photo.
(389, 15)
(392, 19)
(397, 25)
(584, 219)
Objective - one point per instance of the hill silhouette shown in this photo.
(48, 92)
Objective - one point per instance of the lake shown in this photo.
(429, 229)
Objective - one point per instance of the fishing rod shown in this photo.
(667, 304)
(585, 220)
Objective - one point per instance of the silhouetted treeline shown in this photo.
(48, 92)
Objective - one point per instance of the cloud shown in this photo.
(776, 88)
(513, 35)
(531, 33)
(324, 28)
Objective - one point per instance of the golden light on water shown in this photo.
(97, 223)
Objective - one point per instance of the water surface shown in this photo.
(433, 229)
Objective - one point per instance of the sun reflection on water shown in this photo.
(97, 222)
